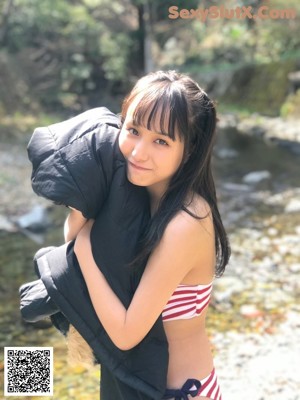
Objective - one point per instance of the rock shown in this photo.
(226, 153)
(250, 311)
(272, 231)
(36, 219)
(277, 130)
(226, 286)
(294, 78)
(282, 199)
(292, 206)
(235, 187)
(232, 217)
(295, 268)
(228, 120)
(266, 262)
(7, 225)
(250, 127)
(265, 241)
(259, 196)
(252, 234)
(256, 176)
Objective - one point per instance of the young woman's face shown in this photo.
(152, 157)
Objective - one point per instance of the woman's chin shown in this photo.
(136, 181)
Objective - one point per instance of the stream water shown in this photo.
(244, 205)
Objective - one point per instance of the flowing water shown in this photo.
(253, 154)
(241, 156)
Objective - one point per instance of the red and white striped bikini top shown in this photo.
(188, 301)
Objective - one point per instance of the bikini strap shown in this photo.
(191, 387)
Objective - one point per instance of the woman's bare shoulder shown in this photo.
(194, 223)
(198, 206)
(197, 236)
(195, 217)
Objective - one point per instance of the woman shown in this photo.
(78, 163)
(167, 139)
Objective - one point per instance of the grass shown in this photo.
(19, 126)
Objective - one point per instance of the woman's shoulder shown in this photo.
(192, 233)
(194, 218)
(197, 206)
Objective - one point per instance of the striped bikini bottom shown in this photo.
(207, 387)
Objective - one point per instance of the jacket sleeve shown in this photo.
(73, 161)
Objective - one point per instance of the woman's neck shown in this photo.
(154, 204)
(156, 193)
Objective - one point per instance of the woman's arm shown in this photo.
(73, 224)
(185, 243)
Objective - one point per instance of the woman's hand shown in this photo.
(82, 242)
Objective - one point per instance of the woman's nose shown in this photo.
(140, 151)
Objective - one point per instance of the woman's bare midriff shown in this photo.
(189, 351)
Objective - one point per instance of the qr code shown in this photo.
(28, 371)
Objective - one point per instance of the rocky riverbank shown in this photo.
(17, 197)
(260, 367)
(258, 356)
(285, 132)
(256, 331)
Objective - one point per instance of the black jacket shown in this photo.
(78, 163)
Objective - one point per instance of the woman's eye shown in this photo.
(133, 131)
(162, 142)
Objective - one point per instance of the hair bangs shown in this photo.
(160, 113)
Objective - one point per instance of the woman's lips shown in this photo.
(138, 167)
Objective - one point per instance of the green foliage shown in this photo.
(235, 40)
(260, 88)
(64, 52)
(114, 49)
(32, 21)
(72, 47)
(277, 38)
(291, 107)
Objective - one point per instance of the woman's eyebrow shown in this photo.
(131, 122)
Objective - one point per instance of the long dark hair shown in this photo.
(184, 107)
